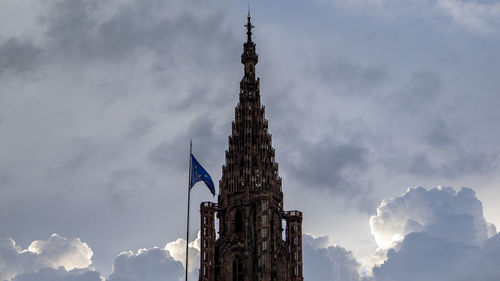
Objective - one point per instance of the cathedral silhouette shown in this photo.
(250, 245)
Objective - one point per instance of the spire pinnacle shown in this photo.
(249, 57)
(249, 27)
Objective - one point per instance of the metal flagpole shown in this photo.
(189, 200)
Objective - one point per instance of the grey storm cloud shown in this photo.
(441, 135)
(205, 133)
(100, 133)
(110, 89)
(422, 164)
(18, 56)
(331, 166)
(422, 88)
(414, 95)
(83, 29)
(139, 127)
(350, 78)
(437, 145)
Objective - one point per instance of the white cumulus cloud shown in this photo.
(432, 235)
(146, 265)
(60, 274)
(59, 251)
(424, 257)
(55, 252)
(158, 263)
(440, 211)
(436, 234)
(177, 250)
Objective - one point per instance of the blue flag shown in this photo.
(198, 173)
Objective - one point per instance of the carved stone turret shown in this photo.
(250, 244)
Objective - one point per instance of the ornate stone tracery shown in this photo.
(250, 246)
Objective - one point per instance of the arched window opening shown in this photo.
(237, 270)
(238, 222)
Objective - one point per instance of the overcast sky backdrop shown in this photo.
(365, 98)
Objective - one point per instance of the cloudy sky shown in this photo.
(381, 112)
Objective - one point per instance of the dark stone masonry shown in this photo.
(250, 245)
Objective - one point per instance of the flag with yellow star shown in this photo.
(198, 173)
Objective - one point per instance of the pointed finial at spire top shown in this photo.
(249, 27)
(249, 58)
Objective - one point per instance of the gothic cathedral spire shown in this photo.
(250, 245)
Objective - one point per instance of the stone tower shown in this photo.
(251, 244)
